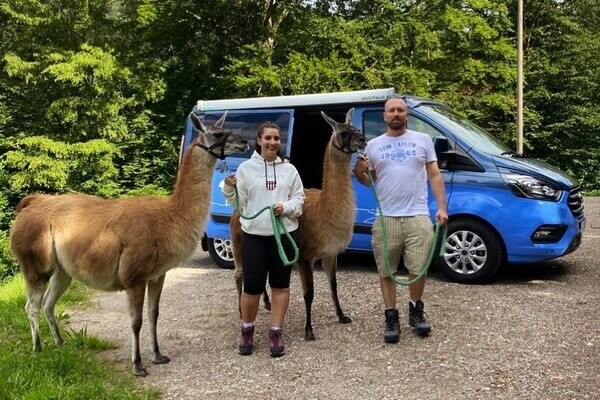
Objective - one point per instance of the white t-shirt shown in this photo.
(400, 166)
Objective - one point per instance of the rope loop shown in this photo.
(386, 256)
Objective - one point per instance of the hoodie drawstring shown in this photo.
(270, 184)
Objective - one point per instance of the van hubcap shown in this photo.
(465, 252)
(223, 249)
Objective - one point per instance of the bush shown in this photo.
(8, 265)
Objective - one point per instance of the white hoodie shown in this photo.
(261, 184)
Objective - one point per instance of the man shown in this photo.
(400, 162)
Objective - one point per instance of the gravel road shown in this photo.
(531, 334)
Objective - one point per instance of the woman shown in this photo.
(266, 179)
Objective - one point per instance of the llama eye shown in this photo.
(218, 135)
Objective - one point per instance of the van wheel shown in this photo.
(472, 252)
(221, 252)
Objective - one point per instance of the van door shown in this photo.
(245, 123)
(370, 120)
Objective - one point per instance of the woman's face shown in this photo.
(270, 143)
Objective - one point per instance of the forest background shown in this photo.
(94, 93)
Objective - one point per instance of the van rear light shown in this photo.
(548, 233)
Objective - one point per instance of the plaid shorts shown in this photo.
(410, 237)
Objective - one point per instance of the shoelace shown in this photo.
(391, 323)
(247, 336)
(275, 337)
(419, 315)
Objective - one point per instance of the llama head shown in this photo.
(215, 139)
(346, 137)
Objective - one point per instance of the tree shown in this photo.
(562, 87)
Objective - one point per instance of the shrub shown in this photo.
(8, 265)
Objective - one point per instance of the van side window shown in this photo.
(374, 125)
(247, 123)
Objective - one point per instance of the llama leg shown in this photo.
(154, 291)
(235, 229)
(59, 283)
(266, 300)
(135, 297)
(35, 294)
(330, 267)
(238, 278)
(306, 276)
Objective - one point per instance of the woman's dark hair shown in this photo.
(261, 130)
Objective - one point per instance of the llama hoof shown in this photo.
(160, 359)
(345, 320)
(309, 336)
(138, 370)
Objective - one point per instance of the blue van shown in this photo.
(503, 207)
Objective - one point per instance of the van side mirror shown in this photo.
(440, 144)
(453, 159)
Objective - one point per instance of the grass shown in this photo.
(75, 371)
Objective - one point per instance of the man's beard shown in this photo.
(396, 124)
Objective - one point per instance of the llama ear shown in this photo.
(221, 121)
(334, 124)
(197, 124)
(349, 116)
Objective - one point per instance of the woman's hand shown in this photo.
(278, 209)
(230, 180)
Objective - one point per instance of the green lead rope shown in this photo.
(385, 244)
(278, 226)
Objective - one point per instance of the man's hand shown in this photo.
(362, 165)
(441, 216)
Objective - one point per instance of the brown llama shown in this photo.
(117, 244)
(327, 220)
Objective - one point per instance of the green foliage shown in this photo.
(8, 266)
(39, 164)
(563, 95)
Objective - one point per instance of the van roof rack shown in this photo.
(357, 96)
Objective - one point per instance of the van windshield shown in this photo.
(472, 135)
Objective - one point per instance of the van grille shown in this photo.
(576, 202)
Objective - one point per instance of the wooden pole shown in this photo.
(520, 77)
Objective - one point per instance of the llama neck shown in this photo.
(337, 180)
(191, 194)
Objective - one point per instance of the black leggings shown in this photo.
(261, 257)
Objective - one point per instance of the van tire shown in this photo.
(220, 252)
(463, 264)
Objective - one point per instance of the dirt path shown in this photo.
(533, 334)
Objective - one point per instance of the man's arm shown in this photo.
(437, 187)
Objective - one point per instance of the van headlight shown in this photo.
(530, 187)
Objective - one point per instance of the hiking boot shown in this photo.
(276, 347)
(392, 326)
(416, 319)
(246, 341)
